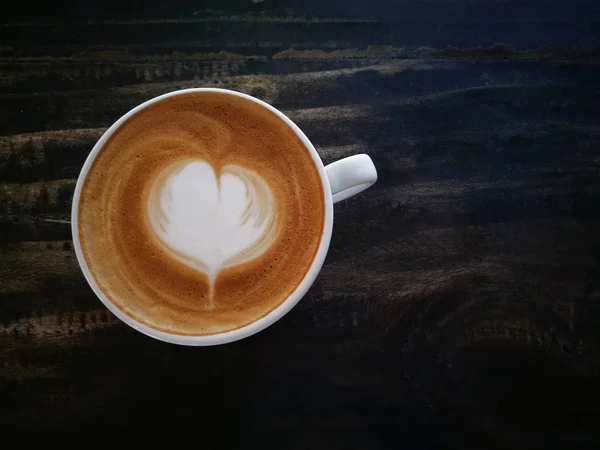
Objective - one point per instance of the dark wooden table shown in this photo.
(459, 306)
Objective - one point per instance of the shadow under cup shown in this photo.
(151, 269)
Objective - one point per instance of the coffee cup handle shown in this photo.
(351, 175)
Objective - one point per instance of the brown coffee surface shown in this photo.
(122, 252)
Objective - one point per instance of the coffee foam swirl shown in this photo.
(141, 214)
(208, 222)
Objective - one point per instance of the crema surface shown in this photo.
(201, 214)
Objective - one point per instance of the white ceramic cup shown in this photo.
(340, 179)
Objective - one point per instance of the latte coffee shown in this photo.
(201, 213)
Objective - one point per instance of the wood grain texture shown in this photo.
(459, 306)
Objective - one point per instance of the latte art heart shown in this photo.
(183, 245)
(211, 222)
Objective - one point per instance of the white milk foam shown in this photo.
(211, 223)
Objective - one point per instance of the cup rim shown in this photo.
(227, 336)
